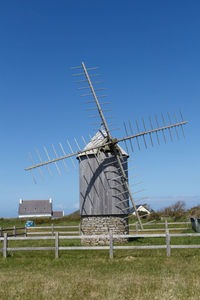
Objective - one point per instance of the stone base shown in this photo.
(99, 225)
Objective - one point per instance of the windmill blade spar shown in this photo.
(152, 131)
(93, 92)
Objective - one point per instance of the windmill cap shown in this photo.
(99, 139)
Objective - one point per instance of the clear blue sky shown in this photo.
(149, 57)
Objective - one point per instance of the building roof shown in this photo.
(58, 214)
(99, 139)
(35, 207)
(140, 208)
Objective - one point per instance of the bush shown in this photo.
(175, 211)
(153, 216)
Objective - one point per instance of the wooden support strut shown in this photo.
(127, 186)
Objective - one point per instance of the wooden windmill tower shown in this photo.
(103, 167)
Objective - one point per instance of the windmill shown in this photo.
(103, 168)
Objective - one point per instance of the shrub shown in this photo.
(175, 211)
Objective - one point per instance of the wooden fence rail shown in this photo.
(161, 223)
(111, 237)
(13, 231)
(49, 227)
(165, 224)
(31, 230)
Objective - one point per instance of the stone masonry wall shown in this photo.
(97, 225)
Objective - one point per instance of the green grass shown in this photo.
(67, 220)
(131, 274)
(146, 274)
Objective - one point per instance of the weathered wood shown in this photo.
(30, 248)
(85, 248)
(5, 245)
(184, 234)
(40, 233)
(157, 229)
(25, 231)
(139, 235)
(62, 248)
(166, 225)
(56, 245)
(49, 227)
(14, 230)
(168, 243)
(20, 228)
(101, 189)
(19, 233)
(7, 229)
(11, 229)
(102, 236)
(50, 232)
(111, 246)
(163, 223)
(68, 232)
(52, 229)
(10, 238)
(136, 228)
(184, 246)
(139, 247)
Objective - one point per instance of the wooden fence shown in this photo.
(13, 231)
(110, 237)
(165, 225)
(76, 229)
(34, 230)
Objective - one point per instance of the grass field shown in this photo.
(146, 274)
(132, 274)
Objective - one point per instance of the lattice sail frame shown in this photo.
(109, 142)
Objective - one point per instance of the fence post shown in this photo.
(168, 243)
(5, 244)
(166, 225)
(52, 229)
(136, 228)
(14, 230)
(57, 245)
(1, 231)
(25, 231)
(79, 229)
(111, 246)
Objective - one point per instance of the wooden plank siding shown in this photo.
(101, 185)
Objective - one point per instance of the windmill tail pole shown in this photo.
(127, 186)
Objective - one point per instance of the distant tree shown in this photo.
(176, 211)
